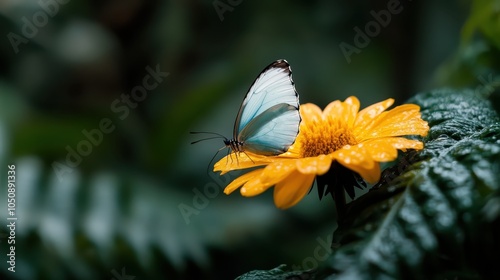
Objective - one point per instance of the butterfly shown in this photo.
(268, 119)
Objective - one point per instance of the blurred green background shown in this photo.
(66, 66)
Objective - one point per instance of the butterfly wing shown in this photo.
(273, 131)
(268, 119)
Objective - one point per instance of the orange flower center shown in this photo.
(322, 137)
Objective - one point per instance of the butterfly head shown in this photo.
(235, 145)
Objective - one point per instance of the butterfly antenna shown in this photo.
(217, 136)
(210, 163)
(206, 132)
(209, 138)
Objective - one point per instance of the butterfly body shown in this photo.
(234, 145)
(268, 119)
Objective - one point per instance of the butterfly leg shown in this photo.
(228, 156)
(237, 155)
(248, 157)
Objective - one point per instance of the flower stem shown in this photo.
(337, 181)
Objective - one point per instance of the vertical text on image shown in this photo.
(11, 217)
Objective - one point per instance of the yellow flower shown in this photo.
(358, 140)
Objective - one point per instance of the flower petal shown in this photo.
(358, 159)
(402, 120)
(236, 183)
(351, 108)
(277, 170)
(344, 111)
(334, 109)
(310, 112)
(236, 161)
(385, 149)
(254, 187)
(369, 113)
(291, 190)
(381, 150)
(294, 150)
(271, 174)
(314, 165)
(401, 143)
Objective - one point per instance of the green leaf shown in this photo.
(279, 272)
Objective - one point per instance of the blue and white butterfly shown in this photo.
(268, 120)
